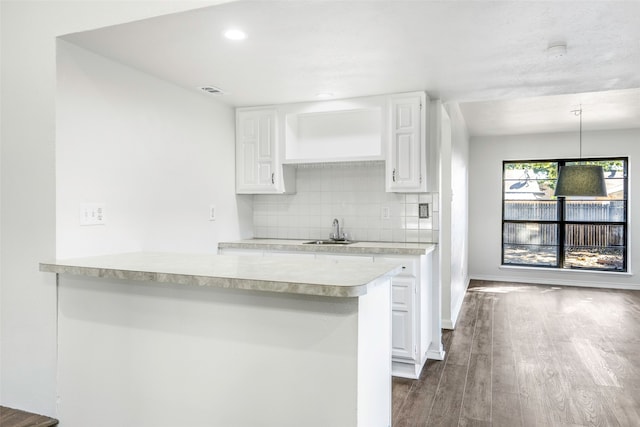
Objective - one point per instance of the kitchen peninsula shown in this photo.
(416, 315)
(240, 341)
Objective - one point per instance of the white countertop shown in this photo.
(375, 248)
(348, 278)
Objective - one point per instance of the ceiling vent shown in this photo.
(212, 90)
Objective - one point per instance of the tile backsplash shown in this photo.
(354, 193)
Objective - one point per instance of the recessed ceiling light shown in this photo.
(557, 49)
(235, 34)
(324, 95)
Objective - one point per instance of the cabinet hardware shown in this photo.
(273, 181)
(393, 175)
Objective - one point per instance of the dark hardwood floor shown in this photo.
(10, 417)
(532, 355)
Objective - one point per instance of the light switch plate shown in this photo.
(386, 214)
(92, 214)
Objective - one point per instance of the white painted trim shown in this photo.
(455, 312)
(448, 324)
(436, 355)
(561, 282)
(406, 370)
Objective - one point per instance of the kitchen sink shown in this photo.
(329, 242)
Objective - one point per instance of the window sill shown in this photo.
(563, 270)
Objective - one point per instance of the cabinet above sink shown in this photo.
(350, 130)
(272, 140)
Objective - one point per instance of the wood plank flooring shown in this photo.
(532, 355)
(10, 417)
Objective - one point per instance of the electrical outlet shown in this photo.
(212, 213)
(386, 214)
(92, 214)
(423, 210)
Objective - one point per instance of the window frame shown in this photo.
(561, 222)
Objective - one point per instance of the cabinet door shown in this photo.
(403, 341)
(406, 164)
(256, 151)
(401, 335)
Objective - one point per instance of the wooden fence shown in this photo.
(598, 235)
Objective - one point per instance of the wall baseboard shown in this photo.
(559, 282)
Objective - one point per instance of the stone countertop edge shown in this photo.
(356, 248)
(133, 267)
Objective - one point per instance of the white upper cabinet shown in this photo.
(407, 156)
(258, 166)
(270, 141)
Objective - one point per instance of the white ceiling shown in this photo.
(489, 56)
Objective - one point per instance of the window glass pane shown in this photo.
(529, 181)
(530, 233)
(594, 235)
(594, 258)
(615, 187)
(546, 256)
(537, 210)
(595, 211)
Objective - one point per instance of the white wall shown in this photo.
(487, 154)
(156, 154)
(28, 311)
(459, 212)
(454, 182)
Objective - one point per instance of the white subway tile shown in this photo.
(425, 223)
(411, 223)
(373, 234)
(260, 221)
(399, 235)
(386, 235)
(411, 210)
(412, 236)
(426, 236)
(426, 198)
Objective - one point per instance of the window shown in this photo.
(540, 230)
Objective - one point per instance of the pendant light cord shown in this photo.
(578, 113)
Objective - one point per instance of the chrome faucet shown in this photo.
(336, 235)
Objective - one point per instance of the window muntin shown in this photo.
(541, 230)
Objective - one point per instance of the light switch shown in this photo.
(212, 213)
(92, 214)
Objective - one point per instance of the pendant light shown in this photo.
(581, 180)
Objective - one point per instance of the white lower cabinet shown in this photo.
(411, 290)
(403, 339)
(411, 314)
